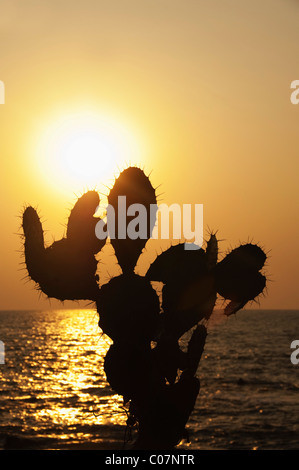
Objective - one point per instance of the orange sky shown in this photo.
(202, 88)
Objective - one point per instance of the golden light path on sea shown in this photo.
(62, 385)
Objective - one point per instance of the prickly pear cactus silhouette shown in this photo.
(145, 363)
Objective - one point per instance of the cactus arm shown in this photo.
(178, 265)
(238, 276)
(134, 187)
(66, 269)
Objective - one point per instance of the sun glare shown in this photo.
(83, 150)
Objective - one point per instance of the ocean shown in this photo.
(54, 394)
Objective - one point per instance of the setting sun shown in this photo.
(81, 150)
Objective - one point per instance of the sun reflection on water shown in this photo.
(55, 381)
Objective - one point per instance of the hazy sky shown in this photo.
(199, 91)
